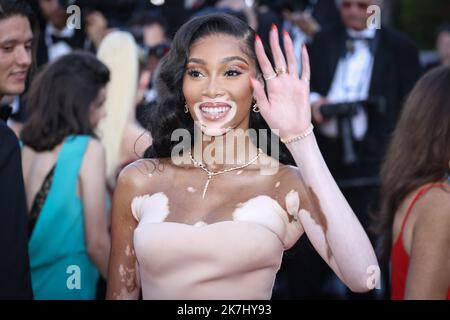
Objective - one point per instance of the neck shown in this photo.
(232, 149)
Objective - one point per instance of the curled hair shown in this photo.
(168, 113)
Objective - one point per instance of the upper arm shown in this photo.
(93, 192)
(429, 265)
(311, 218)
(123, 275)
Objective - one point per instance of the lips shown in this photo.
(19, 76)
(214, 111)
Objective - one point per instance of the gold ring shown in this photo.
(281, 71)
(270, 77)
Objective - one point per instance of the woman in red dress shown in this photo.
(415, 199)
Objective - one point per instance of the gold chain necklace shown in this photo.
(212, 173)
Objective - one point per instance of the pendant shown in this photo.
(206, 186)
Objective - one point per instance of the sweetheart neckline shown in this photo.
(191, 226)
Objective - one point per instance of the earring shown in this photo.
(186, 110)
(255, 107)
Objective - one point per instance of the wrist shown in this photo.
(296, 137)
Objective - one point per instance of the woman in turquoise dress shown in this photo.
(64, 174)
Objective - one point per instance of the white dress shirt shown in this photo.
(58, 49)
(351, 82)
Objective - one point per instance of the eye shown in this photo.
(194, 73)
(233, 73)
(7, 48)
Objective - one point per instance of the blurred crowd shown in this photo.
(360, 79)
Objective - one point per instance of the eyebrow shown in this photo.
(15, 41)
(224, 60)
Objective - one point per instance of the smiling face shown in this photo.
(15, 54)
(216, 84)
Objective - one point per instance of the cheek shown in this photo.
(5, 63)
(241, 93)
(191, 91)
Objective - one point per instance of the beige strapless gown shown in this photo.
(235, 259)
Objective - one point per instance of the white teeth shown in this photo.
(216, 110)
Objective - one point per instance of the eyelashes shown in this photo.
(229, 73)
(194, 73)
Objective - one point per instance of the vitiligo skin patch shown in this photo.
(191, 189)
(292, 204)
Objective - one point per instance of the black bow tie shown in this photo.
(56, 39)
(5, 112)
(367, 39)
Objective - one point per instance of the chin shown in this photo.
(14, 90)
(215, 132)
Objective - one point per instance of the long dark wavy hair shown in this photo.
(419, 152)
(59, 100)
(168, 113)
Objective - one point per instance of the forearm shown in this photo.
(100, 256)
(347, 240)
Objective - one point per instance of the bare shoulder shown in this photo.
(94, 158)
(144, 175)
(95, 149)
(290, 177)
(434, 207)
(288, 182)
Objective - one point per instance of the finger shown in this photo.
(306, 70)
(290, 54)
(260, 95)
(278, 56)
(264, 62)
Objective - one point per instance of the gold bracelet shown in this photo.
(299, 137)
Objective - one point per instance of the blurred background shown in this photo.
(414, 38)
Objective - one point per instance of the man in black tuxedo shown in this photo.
(351, 62)
(16, 39)
(56, 37)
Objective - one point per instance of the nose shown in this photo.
(23, 57)
(104, 113)
(213, 88)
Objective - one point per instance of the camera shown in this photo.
(343, 113)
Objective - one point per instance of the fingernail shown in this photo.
(258, 38)
(286, 34)
(274, 27)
